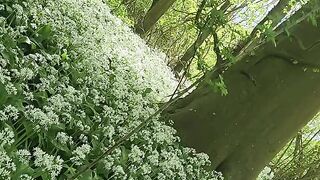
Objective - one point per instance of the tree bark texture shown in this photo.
(272, 94)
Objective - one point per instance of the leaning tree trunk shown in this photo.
(272, 94)
(158, 8)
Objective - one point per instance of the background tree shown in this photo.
(157, 9)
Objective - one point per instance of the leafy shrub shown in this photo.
(73, 80)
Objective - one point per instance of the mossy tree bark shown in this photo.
(271, 96)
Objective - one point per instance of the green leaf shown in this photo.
(9, 55)
(86, 175)
(146, 91)
(313, 20)
(124, 155)
(8, 41)
(62, 147)
(24, 39)
(21, 169)
(3, 94)
(45, 32)
(218, 85)
(64, 56)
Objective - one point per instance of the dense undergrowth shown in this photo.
(73, 80)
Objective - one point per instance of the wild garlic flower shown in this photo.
(43, 120)
(266, 174)
(24, 156)
(80, 153)
(63, 138)
(108, 163)
(118, 171)
(49, 163)
(12, 112)
(136, 154)
(6, 137)
(6, 165)
(25, 177)
(11, 89)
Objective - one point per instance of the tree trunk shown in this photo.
(158, 8)
(271, 96)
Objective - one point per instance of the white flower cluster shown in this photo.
(73, 80)
(136, 154)
(6, 137)
(266, 174)
(25, 177)
(63, 138)
(80, 153)
(6, 165)
(9, 113)
(24, 156)
(48, 163)
(44, 120)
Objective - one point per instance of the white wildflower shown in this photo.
(24, 156)
(266, 174)
(118, 170)
(80, 153)
(83, 138)
(63, 138)
(49, 163)
(6, 137)
(136, 154)
(6, 165)
(11, 89)
(42, 119)
(109, 131)
(25, 177)
(12, 112)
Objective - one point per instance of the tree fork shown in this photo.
(243, 131)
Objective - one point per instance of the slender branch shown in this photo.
(284, 152)
(216, 48)
(200, 9)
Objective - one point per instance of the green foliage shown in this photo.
(301, 156)
(74, 80)
(130, 11)
(179, 28)
(218, 85)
